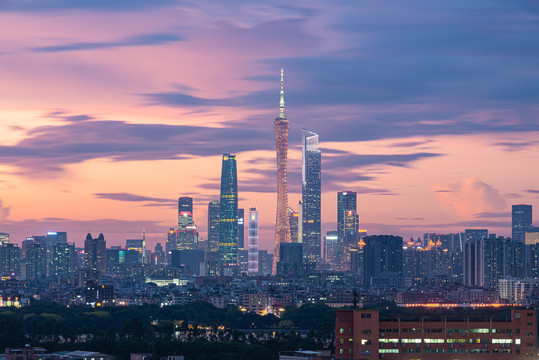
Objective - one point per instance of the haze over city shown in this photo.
(110, 112)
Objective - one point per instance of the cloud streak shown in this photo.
(138, 40)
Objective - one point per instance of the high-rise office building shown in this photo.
(311, 196)
(282, 224)
(95, 254)
(134, 248)
(382, 257)
(228, 217)
(293, 219)
(187, 238)
(53, 238)
(347, 226)
(332, 249)
(252, 256)
(213, 226)
(241, 229)
(521, 221)
(170, 244)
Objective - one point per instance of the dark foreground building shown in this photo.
(419, 333)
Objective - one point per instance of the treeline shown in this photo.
(197, 330)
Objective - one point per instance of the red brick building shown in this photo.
(420, 333)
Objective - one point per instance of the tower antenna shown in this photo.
(281, 103)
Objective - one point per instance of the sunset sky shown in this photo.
(110, 110)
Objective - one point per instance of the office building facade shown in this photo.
(228, 217)
(481, 333)
(521, 216)
(311, 196)
(252, 256)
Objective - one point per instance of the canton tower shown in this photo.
(282, 224)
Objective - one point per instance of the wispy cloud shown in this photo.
(138, 40)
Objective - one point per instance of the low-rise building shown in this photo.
(446, 333)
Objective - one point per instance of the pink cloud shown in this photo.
(468, 197)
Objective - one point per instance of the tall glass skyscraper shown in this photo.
(282, 224)
(252, 256)
(228, 217)
(311, 196)
(347, 226)
(521, 221)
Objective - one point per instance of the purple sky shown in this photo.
(110, 110)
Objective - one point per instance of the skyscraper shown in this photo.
(213, 226)
(170, 244)
(95, 253)
(187, 230)
(332, 249)
(10, 258)
(282, 224)
(522, 220)
(64, 260)
(35, 261)
(347, 225)
(311, 189)
(252, 257)
(228, 217)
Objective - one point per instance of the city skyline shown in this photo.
(110, 112)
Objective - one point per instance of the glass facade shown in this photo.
(311, 196)
(228, 216)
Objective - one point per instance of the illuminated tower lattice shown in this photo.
(282, 224)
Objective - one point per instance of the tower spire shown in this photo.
(281, 103)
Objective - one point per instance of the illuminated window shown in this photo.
(517, 341)
(413, 341)
(341, 330)
(434, 341)
(479, 331)
(502, 341)
(388, 340)
(388, 351)
(341, 351)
